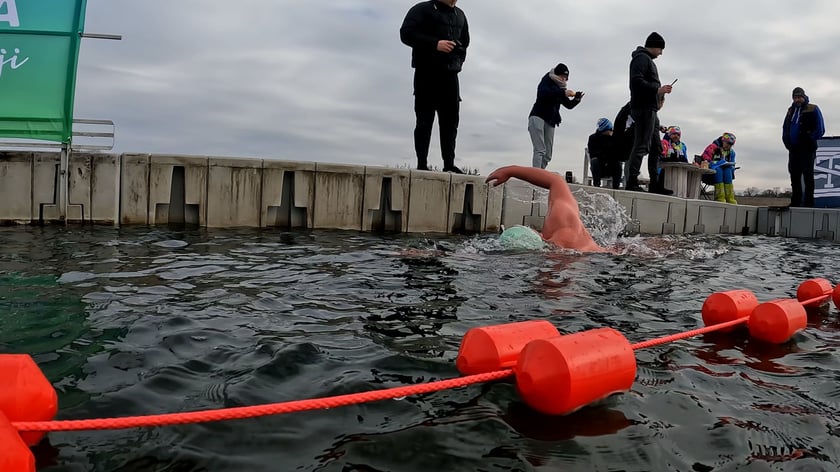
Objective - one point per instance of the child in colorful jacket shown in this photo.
(673, 149)
(721, 158)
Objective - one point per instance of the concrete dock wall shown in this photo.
(144, 189)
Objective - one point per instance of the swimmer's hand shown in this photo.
(499, 176)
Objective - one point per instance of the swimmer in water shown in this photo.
(562, 226)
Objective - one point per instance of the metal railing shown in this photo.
(94, 135)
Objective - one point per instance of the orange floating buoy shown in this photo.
(16, 456)
(562, 374)
(811, 291)
(778, 320)
(25, 393)
(836, 297)
(721, 307)
(492, 348)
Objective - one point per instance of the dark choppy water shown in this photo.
(135, 320)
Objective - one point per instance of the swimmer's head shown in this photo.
(521, 237)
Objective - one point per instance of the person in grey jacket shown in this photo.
(646, 97)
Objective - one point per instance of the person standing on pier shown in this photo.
(438, 34)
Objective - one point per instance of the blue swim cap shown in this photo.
(521, 237)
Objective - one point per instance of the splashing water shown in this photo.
(603, 216)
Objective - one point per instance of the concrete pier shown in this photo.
(219, 192)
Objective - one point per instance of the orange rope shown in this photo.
(687, 334)
(257, 410)
(816, 300)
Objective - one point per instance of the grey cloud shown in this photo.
(330, 81)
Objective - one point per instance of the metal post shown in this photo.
(63, 178)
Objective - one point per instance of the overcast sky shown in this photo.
(330, 81)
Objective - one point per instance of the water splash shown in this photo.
(603, 216)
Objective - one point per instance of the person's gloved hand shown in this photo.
(578, 95)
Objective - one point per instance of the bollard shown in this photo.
(721, 307)
(25, 393)
(492, 348)
(562, 374)
(778, 320)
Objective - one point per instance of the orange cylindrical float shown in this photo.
(562, 374)
(492, 348)
(25, 393)
(812, 289)
(721, 307)
(835, 295)
(778, 320)
(15, 456)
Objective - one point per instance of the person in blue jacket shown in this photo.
(802, 127)
(721, 158)
(545, 114)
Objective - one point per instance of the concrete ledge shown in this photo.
(45, 187)
(339, 190)
(178, 189)
(134, 189)
(16, 187)
(386, 199)
(235, 199)
(428, 209)
(467, 204)
(288, 194)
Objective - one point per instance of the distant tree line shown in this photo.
(774, 192)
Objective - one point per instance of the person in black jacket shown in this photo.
(602, 154)
(438, 34)
(545, 114)
(646, 97)
(802, 127)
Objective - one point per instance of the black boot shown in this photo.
(422, 164)
(658, 186)
(453, 169)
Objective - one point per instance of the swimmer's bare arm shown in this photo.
(534, 176)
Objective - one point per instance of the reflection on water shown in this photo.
(137, 320)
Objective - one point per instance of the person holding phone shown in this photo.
(647, 94)
(545, 114)
(438, 34)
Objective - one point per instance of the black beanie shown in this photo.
(655, 40)
(798, 91)
(561, 69)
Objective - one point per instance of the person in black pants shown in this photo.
(438, 34)
(646, 97)
(802, 127)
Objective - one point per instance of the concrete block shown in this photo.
(827, 224)
(45, 172)
(105, 189)
(385, 205)
(524, 204)
(288, 194)
(235, 199)
(800, 223)
(16, 188)
(467, 204)
(746, 219)
(495, 205)
(79, 179)
(710, 217)
(428, 209)
(178, 189)
(134, 189)
(339, 190)
(655, 214)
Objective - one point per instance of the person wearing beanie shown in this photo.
(673, 148)
(545, 114)
(802, 127)
(601, 149)
(721, 159)
(646, 97)
(438, 35)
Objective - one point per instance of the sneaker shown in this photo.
(453, 169)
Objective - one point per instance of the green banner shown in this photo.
(39, 52)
